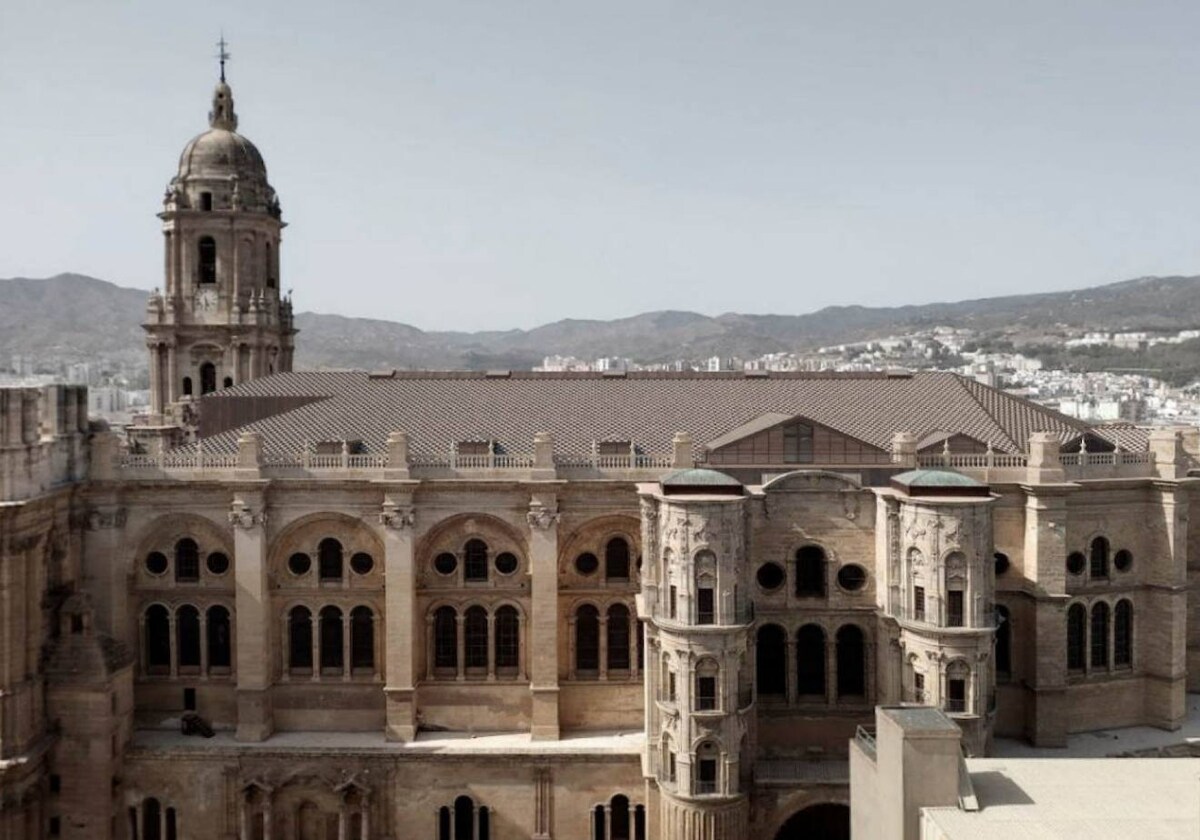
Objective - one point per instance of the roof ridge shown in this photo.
(965, 384)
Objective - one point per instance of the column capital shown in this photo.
(542, 517)
(396, 517)
(241, 516)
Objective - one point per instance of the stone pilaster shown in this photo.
(400, 635)
(543, 655)
(1046, 568)
(252, 600)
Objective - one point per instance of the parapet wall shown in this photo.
(43, 439)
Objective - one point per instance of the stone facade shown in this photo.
(613, 644)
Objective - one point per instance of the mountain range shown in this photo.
(71, 317)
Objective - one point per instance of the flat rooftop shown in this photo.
(1070, 798)
(1110, 742)
(589, 744)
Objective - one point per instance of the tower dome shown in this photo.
(223, 164)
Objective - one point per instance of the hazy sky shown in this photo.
(502, 164)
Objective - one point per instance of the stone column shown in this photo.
(156, 387)
(543, 555)
(400, 608)
(172, 388)
(253, 622)
(203, 644)
(1164, 640)
(1045, 565)
(460, 650)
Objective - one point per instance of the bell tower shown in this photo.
(219, 319)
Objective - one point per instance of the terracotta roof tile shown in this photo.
(439, 409)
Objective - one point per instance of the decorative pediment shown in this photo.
(775, 439)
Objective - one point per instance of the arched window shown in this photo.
(187, 386)
(587, 638)
(445, 638)
(1003, 644)
(1098, 567)
(1099, 642)
(771, 660)
(616, 559)
(331, 640)
(207, 251)
(459, 822)
(208, 378)
(810, 660)
(475, 630)
(187, 632)
(956, 584)
(1123, 634)
(706, 585)
(625, 821)
(810, 572)
(172, 829)
(300, 636)
(310, 823)
(958, 674)
(706, 779)
(329, 559)
(151, 819)
(187, 561)
(667, 758)
(475, 560)
(219, 639)
(227, 382)
(269, 267)
(851, 662)
(1076, 630)
(707, 679)
(618, 637)
(158, 640)
(362, 640)
(508, 638)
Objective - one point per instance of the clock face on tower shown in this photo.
(206, 300)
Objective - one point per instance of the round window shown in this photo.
(299, 563)
(506, 563)
(1075, 562)
(586, 563)
(156, 562)
(852, 577)
(1001, 563)
(770, 576)
(218, 563)
(445, 563)
(1123, 560)
(362, 563)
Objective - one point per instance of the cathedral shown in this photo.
(494, 605)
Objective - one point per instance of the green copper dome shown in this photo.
(938, 483)
(700, 481)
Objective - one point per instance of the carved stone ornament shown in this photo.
(98, 519)
(397, 518)
(242, 517)
(649, 511)
(541, 517)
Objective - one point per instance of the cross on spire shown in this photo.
(222, 54)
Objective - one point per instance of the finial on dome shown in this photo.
(222, 55)
(222, 114)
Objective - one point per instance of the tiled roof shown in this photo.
(438, 409)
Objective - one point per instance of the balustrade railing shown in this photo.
(865, 736)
